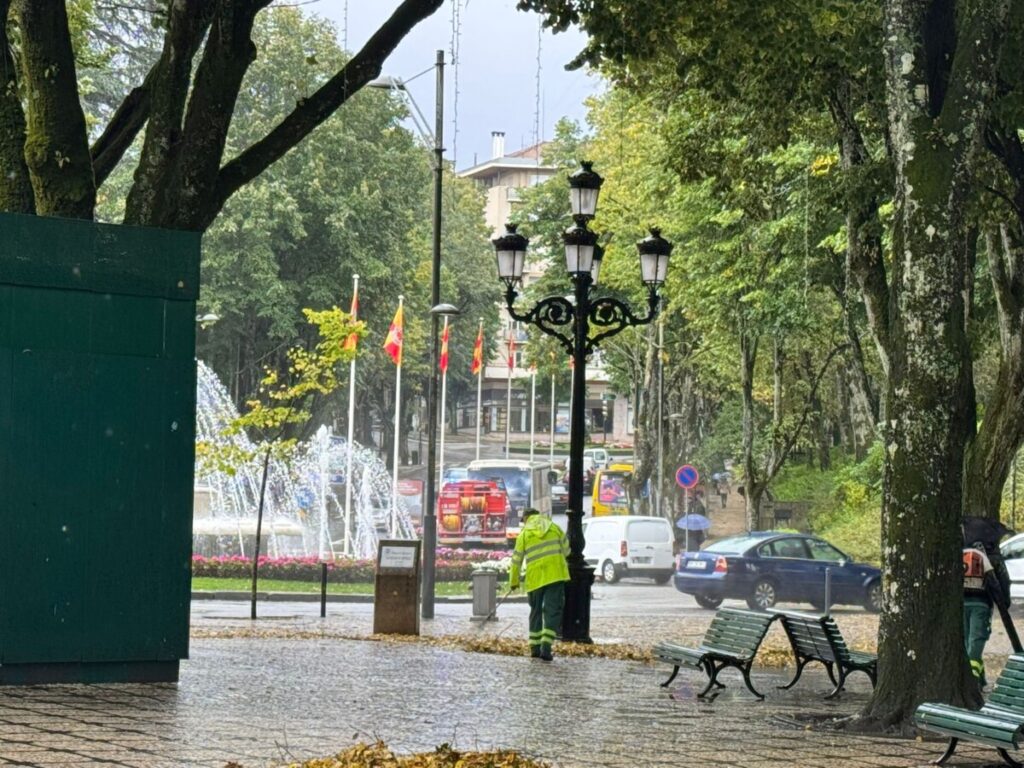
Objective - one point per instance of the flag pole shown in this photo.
(533, 407)
(351, 428)
(479, 393)
(398, 409)
(508, 387)
(554, 410)
(444, 393)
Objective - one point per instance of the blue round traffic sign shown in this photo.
(687, 477)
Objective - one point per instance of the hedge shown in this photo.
(452, 565)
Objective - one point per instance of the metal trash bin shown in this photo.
(485, 595)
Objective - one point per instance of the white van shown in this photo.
(599, 457)
(629, 545)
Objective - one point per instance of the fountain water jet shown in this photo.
(301, 513)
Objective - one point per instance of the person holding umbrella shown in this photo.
(690, 531)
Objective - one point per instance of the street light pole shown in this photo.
(570, 319)
(429, 510)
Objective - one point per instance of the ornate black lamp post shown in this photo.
(580, 323)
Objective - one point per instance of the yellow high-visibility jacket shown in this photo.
(544, 547)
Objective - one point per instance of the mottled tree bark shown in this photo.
(937, 88)
(56, 149)
(15, 185)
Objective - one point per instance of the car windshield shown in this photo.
(733, 546)
(515, 481)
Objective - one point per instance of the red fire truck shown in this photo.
(472, 513)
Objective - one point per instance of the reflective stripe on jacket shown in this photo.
(544, 547)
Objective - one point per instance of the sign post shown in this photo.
(396, 589)
(687, 478)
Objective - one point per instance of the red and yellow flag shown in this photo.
(393, 342)
(352, 340)
(478, 352)
(512, 351)
(444, 349)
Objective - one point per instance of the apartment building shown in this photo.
(503, 176)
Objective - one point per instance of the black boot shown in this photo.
(545, 652)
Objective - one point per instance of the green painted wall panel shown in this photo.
(97, 428)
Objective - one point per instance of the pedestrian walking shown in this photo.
(986, 584)
(544, 547)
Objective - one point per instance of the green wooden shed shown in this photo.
(97, 432)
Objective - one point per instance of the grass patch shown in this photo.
(845, 502)
(208, 584)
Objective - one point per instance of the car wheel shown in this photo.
(662, 578)
(764, 595)
(608, 572)
(873, 597)
(708, 602)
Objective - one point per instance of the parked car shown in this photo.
(629, 545)
(559, 498)
(767, 567)
(1013, 555)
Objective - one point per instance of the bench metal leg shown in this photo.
(746, 679)
(839, 685)
(831, 672)
(1007, 759)
(675, 671)
(950, 749)
(800, 664)
(709, 669)
(712, 671)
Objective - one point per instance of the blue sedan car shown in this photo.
(764, 568)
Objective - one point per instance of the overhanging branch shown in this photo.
(312, 111)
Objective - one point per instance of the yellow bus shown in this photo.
(611, 491)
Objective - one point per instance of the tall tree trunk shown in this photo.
(56, 145)
(937, 95)
(647, 430)
(778, 365)
(1001, 433)
(751, 491)
(15, 185)
(864, 261)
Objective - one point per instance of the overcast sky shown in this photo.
(497, 72)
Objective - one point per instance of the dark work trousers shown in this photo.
(546, 605)
(977, 629)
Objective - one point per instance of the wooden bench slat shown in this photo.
(818, 638)
(998, 723)
(732, 639)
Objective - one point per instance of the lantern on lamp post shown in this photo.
(580, 322)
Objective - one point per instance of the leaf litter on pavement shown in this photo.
(379, 756)
(774, 652)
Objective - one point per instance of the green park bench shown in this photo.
(731, 641)
(997, 724)
(817, 638)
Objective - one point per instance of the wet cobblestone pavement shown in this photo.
(262, 702)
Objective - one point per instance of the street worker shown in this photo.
(544, 547)
(986, 584)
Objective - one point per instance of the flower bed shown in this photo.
(451, 565)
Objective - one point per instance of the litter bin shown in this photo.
(485, 595)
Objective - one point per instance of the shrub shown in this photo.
(451, 565)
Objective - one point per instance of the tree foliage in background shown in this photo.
(903, 93)
(182, 108)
